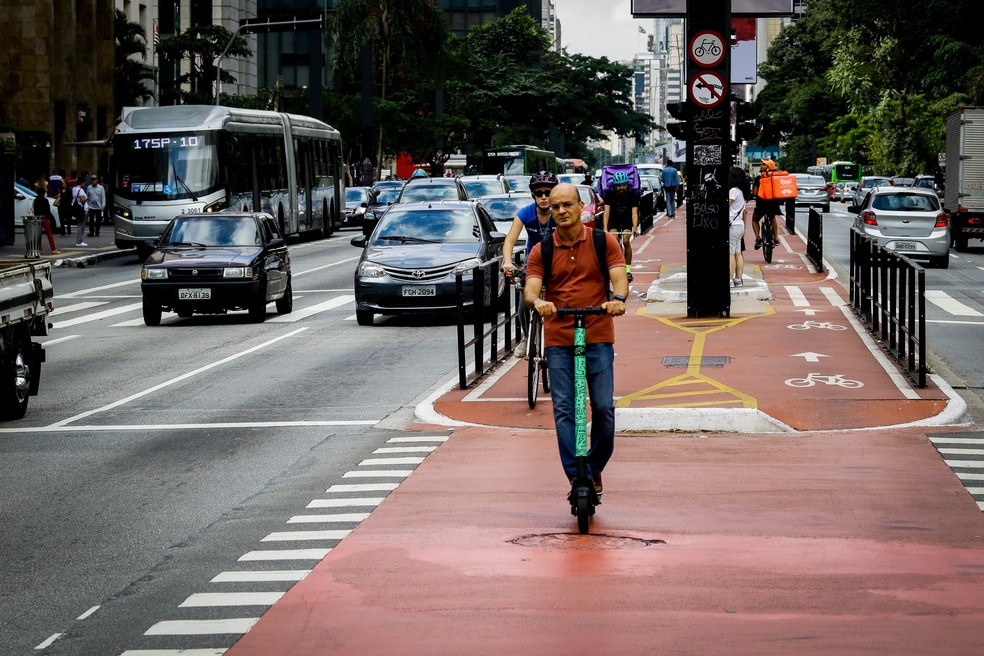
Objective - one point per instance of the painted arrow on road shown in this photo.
(810, 356)
(808, 311)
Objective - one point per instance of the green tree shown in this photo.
(130, 75)
(199, 45)
(406, 42)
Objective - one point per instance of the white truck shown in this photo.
(25, 301)
(963, 195)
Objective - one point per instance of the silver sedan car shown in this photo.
(907, 220)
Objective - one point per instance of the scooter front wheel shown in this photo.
(583, 512)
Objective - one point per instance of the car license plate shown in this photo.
(194, 294)
(905, 246)
(420, 290)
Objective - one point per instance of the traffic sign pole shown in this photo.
(708, 157)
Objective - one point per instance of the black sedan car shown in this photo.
(409, 262)
(211, 263)
(358, 205)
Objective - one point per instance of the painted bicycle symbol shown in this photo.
(782, 266)
(813, 379)
(806, 325)
(707, 46)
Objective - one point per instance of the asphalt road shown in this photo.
(153, 458)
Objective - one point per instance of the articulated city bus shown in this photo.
(518, 160)
(200, 158)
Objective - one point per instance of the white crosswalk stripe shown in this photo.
(964, 454)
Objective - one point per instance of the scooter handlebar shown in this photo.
(567, 311)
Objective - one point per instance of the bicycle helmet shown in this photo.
(418, 173)
(620, 177)
(543, 179)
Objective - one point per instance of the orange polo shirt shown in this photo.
(576, 281)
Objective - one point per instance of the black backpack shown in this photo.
(599, 237)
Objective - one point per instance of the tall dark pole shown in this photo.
(708, 156)
(315, 66)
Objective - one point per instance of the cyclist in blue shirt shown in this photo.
(539, 223)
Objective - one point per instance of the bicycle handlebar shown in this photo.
(573, 311)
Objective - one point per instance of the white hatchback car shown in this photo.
(907, 220)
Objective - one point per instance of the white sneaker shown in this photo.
(81, 243)
(520, 350)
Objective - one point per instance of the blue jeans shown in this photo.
(671, 194)
(601, 391)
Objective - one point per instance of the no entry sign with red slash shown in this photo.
(708, 89)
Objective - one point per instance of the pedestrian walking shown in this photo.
(96, 204)
(64, 205)
(577, 281)
(739, 191)
(42, 210)
(79, 201)
(671, 180)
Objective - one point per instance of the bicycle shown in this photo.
(768, 237)
(583, 497)
(620, 235)
(536, 361)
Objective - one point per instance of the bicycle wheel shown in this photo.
(533, 348)
(541, 356)
(768, 239)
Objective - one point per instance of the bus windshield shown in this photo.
(164, 166)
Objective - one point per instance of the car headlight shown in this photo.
(153, 274)
(369, 269)
(468, 265)
(217, 206)
(235, 272)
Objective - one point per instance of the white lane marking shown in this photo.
(79, 428)
(286, 554)
(965, 323)
(381, 473)
(130, 323)
(961, 452)
(321, 268)
(216, 599)
(964, 476)
(328, 519)
(203, 627)
(370, 462)
(975, 490)
(96, 316)
(174, 652)
(299, 536)
(363, 487)
(419, 438)
(66, 338)
(258, 576)
(87, 613)
(297, 315)
(180, 378)
(65, 309)
(345, 503)
(956, 440)
(797, 296)
(49, 640)
(900, 383)
(832, 296)
(86, 292)
(949, 304)
(965, 464)
(405, 449)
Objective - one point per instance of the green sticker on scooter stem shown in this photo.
(580, 393)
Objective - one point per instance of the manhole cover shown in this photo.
(586, 542)
(706, 361)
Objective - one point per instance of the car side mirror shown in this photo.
(277, 242)
(359, 240)
(497, 237)
(369, 224)
(853, 209)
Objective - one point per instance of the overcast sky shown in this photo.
(601, 28)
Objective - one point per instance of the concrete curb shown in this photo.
(85, 260)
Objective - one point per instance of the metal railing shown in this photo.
(478, 355)
(790, 215)
(814, 239)
(888, 293)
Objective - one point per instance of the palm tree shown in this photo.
(403, 35)
(130, 74)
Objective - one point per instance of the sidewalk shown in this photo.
(745, 511)
(97, 249)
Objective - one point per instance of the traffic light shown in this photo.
(746, 124)
(681, 129)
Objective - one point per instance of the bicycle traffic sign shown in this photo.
(707, 48)
(708, 89)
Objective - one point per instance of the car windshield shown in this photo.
(905, 203)
(167, 166)
(213, 231)
(423, 192)
(877, 183)
(811, 180)
(504, 208)
(438, 225)
(355, 195)
(386, 195)
(476, 188)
